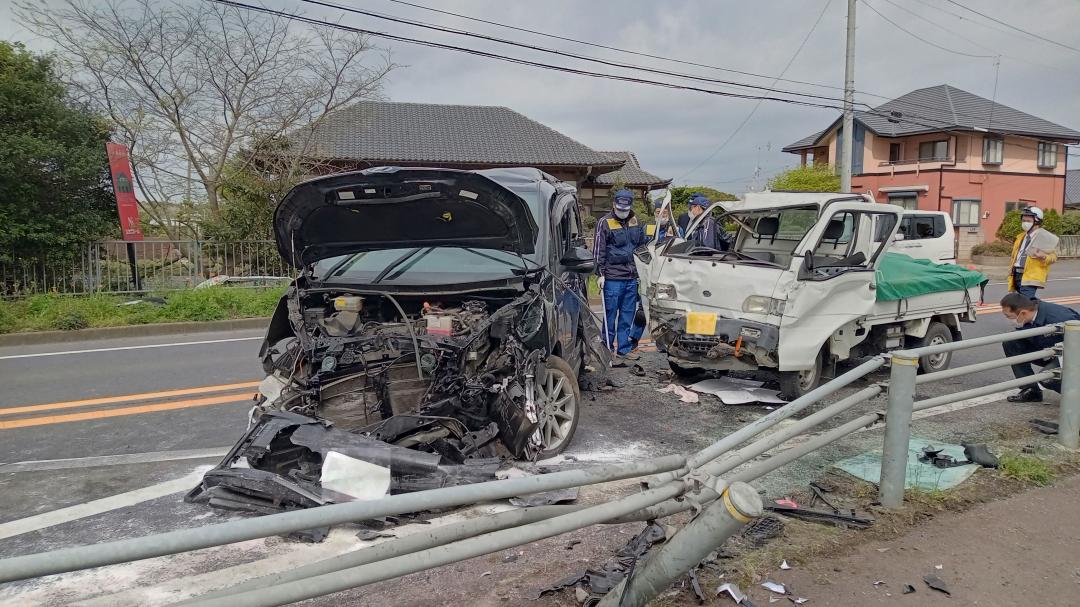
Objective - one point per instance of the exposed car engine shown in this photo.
(439, 389)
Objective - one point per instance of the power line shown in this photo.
(920, 38)
(1013, 27)
(610, 48)
(757, 105)
(509, 59)
(597, 45)
(470, 34)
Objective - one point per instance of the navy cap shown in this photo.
(699, 200)
(624, 199)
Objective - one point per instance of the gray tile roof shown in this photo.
(944, 107)
(1072, 187)
(388, 132)
(631, 173)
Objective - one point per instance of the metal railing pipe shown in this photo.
(987, 340)
(927, 378)
(761, 424)
(756, 448)
(414, 542)
(894, 455)
(1069, 411)
(183, 540)
(759, 469)
(738, 505)
(946, 399)
(321, 585)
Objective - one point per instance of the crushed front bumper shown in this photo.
(735, 344)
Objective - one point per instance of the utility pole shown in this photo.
(849, 102)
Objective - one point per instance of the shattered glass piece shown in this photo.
(732, 591)
(784, 565)
(774, 587)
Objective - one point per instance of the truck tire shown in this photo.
(794, 384)
(936, 334)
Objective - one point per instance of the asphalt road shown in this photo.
(184, 398)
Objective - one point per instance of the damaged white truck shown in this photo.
(808, 283)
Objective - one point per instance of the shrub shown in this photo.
(997, 248)
(1052, 222)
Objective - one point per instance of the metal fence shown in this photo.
(160, 265)
(1069, 246)
(711, 482)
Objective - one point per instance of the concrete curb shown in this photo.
(171, 328)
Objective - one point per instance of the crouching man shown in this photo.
(1030, 314)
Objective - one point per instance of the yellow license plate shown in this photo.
(701, 323)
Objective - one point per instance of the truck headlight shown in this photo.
(663, 291)
(759, 304)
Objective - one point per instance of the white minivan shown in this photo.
(926, 235)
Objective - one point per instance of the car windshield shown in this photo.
(423, 265)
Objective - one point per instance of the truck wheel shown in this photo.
(683, 372)
(936, 334)
(794, 384)
(558, 399)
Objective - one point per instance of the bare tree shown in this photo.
(201, 89)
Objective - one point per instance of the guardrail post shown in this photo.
(738, 505)
(894, 456)
(1069, 416)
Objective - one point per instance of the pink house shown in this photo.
(944, 149)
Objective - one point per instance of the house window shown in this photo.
(1047, 155)
(896, 152)
(909, 201)
(1014, 206)
(965, 212)
(992, 150)
(934, 150)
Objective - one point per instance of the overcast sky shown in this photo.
(673, 131)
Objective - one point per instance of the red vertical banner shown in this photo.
(126, 204)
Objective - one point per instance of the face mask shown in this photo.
(1027, 225)
(622, 214)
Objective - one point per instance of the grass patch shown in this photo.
(53, 312)
(1027, 469)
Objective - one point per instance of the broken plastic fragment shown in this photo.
(354, 478)
(939, 567)
(684, 395)
(731, 590)
(485, 574)
(798, 601)
(774, 587)
(909, 589)
(879, 582)
(936, 583)
(784, 565)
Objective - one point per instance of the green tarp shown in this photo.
(927, 477)
(900, 277)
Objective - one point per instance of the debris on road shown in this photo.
(908, 589)
(841, 518)
(546, 498)
(736, 391)
(695, 585)
(921, 474)
(735, 593)
(570, 545)
(784, 565)
(600, 581)
(761, 530)
(774, 587)
(936, 583)
(684, 395)
(978, 453)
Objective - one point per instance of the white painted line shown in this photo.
(119, 348)
(999, 284)
(99, 506)
(111, 460)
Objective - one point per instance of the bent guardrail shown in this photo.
(706, 481)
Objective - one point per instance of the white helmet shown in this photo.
(1035, 212)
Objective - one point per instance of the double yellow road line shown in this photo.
(155, 401)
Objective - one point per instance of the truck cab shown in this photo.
(796, 293)
(926, 235)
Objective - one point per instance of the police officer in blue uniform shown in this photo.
(707, 233)
(618, 233)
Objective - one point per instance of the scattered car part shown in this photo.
(763, 529)
(546, 498)
(840, 519)
(936, 583)
(977, 453)
(908, 589)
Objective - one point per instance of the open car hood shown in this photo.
(391, 207)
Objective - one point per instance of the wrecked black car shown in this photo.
(438, 327)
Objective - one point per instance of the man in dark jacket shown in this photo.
(1029, 314)
(707, 233)
(617, 235)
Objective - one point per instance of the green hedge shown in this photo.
(70, 312)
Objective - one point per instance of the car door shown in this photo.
(836, 281)
(567, 233)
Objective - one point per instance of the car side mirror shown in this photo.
(808, 260)
(578, 259)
